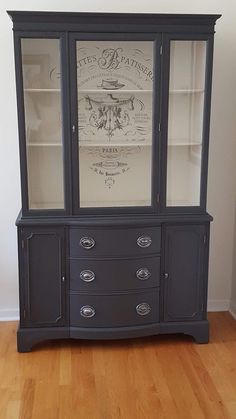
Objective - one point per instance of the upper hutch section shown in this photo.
(114, 111)
(113, 22)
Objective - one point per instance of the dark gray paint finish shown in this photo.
(184, 272)
(114, 242)
(68, 59)
(113, 22)
(134, 220)
(114, 310)
(114, 275)
(43, 276)
(199, 330)
(51, 229)
(28, 337)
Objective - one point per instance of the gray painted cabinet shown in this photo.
(114, 118)
(185, 248)
(43, 276)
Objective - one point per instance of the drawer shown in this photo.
(114, 310)
(114, 242)
(107, 275)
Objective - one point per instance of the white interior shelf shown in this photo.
(185, 143)
(39, 144)
(47, 205)
(46, 90)
(186, 91)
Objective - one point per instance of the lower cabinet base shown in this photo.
(28, 337)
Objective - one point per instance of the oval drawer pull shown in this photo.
(143, 309)
(144, 241)
(87, 311)
(87, 242)
(87, 276)
(143, 274)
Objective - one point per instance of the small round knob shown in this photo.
(87, 276)
(143, 309)
(87, 242)
(144, 241)
(87, 311)
(143, 274)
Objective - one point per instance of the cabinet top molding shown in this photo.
(115, 22)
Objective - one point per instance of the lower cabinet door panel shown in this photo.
(42, 277)
(111, 275)
(114, 310)
(184, 289)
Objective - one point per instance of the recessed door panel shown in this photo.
(43, 277)
(184, 272)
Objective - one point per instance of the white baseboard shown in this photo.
(9, 314)
(218, 305)
(232, 310)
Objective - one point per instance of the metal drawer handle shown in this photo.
(143, 309)
(87, 242)
(87, 276)
(143, 274)
(144, 241)
(87, 311)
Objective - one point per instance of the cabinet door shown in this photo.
(184, 291)
(187, 110)
(115, 108)
(43, 277)
(40, 89)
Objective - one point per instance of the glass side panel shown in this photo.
(43, 122)
(186, 102)
(115, 89)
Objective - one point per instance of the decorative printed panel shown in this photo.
(114, 81)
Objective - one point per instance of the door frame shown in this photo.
(155, 176)
(167, 38)
(66, 153)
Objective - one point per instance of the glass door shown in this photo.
(42, 95)
(187, 122)
(115, 112)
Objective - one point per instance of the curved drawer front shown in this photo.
(114, 310)
(107, 275)
(86, 242)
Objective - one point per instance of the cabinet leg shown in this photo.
(201, 333)
(27, 337)
(24, 343)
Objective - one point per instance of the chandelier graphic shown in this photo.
(110, 114)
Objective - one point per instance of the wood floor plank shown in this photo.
(156, 377)
(27, 399)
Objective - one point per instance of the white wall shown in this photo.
(233, 291)
(222, 169)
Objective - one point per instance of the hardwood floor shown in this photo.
(152, 378)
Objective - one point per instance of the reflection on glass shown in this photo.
(43, 126)
(186, 101)
(115, 82)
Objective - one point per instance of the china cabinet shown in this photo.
(113, 115)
